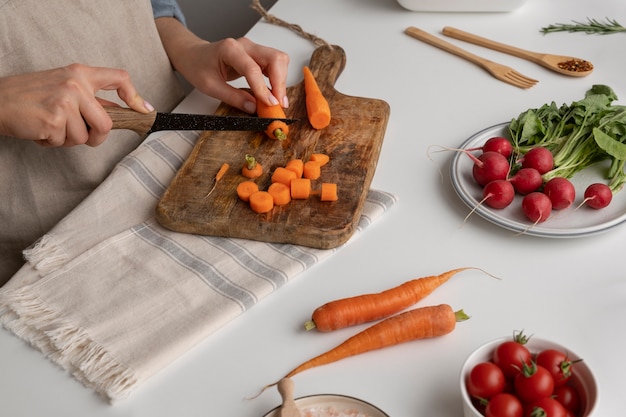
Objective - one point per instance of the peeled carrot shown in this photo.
(280, 192)
(419, 323)
(318, 110)
(218, 176)
(245, 189)
(321, 158)
(329, 192)
(261, 202)
(312, 170)
(300, 188)
(283, 175)
(277, 129)
(297, 166)
(364, 308)
(251, 168)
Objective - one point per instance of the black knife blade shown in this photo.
(146, 123)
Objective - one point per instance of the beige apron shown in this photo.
(39, 186)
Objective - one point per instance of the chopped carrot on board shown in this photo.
(312, 170)
(297, 166)
(261, 202)
(283, 175)
(320, 157)
(280, 192)
(329, 192)
(245, 189)
(300, 188)
(251, 168)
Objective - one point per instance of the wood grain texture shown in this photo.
(352, 140)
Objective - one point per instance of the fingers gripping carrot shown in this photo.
(369, 307)
(317, 107)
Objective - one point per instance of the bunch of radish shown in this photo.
(503, 176)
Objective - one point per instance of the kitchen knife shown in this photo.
(146, 123)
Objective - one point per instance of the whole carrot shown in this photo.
(369, 307)
(419, 323)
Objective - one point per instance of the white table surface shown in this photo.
(572, 291)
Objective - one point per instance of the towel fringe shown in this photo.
(65, 344)
(46, 255)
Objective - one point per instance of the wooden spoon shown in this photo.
(566, 65)
(289, 407)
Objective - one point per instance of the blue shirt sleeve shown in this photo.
(168, 8)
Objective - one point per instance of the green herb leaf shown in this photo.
(592, 26)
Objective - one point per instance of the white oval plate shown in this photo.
(567, 223)
(340, 403)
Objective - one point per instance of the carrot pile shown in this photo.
(291, 182)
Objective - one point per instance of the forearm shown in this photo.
(177, 41)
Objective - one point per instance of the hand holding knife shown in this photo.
(146, 123)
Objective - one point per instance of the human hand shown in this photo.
(58, 107)
(216, 63)
(209, 66)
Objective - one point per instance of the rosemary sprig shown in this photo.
(591, 26)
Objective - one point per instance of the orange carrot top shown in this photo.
(318, 109)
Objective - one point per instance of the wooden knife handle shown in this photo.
(125, 118)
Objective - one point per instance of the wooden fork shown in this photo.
(499, 71)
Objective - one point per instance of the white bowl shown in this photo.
(582, 379)
(317, 405)
(461, 5)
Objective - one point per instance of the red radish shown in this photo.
(537, 206)
(539, 158)
(497, 144)
(526, 180)
(490, 166)
(500, 145)
(498, 194)
(598, 196)
(561, 192)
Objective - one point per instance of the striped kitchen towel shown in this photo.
(113, 297)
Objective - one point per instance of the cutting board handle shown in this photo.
(326, 64)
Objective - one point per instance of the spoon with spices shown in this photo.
(288, 407)
(566, 65)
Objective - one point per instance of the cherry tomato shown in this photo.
(546, 407)
(504, 405)
(569, 397)
(512, 354)
(533, 383)
(485, 380)
(558, 363)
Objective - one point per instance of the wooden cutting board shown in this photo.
(353, 141)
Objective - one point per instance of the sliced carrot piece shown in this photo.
(312, 170)
(320, 157)
(261, 202)
(283, 175)
(245, 189)
(251, 168)
(280, 192)
(329, 192)
(297, 166)
(300, 188)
